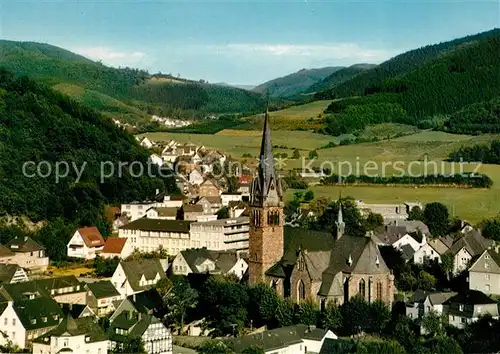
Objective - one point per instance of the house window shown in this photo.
(460, 307)
(463, 320)
(66, 343)
(486, 265)
(362, 288)
(13, 321)
(44, 319)
(5, 320)
(379, 291)
(301, 264)
(486, 277)
(487, 288)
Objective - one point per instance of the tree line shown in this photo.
(478, 153)
(464, 180)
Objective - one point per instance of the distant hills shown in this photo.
(130, 95)
(424, 87)
(339, 77)
(296, 83)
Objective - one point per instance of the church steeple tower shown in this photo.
(340, 224)
(266, 212)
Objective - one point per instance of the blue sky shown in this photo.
(242, 42)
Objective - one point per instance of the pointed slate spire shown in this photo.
(340, 224)
(266, 181)
(266, 157)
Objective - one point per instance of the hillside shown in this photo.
(339, 77)
(150, 94)
(403, 63)
(425, 95)
(296, 83)
(43, 126)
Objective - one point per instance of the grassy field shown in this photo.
(109, 106)
(304, 117)
(423, 152)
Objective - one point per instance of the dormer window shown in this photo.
(55, 317)
(33, 321)
(46, 339)
(44, 319)
(77, 287)
(52, 292)
(460, 307)
(87, 339)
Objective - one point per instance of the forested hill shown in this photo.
(339, 77)
(296, 83)
(127, 94)
(371, 80)
(427, 95)
(44, 126)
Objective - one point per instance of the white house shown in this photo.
(145, 142)
(12, 273)
(467, 307)
(205, 261)
(134, 276)
(466, 247)
(162, 213)
(484, 274)
(136, 210)
(85, 243)
(81, 335)
(230, 197)
(195, 177)
(21, 323)
(430, 251)
(156, 160)
(117, 247)
(297, 339)
(11, 327)
(156, 337)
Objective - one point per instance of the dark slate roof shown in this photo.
(32, 313)
(135, 269)
(75, 310)
(224, 260)
(166, 211)
(7, 272)
(158, 225)
(135, 322)
(42, 287)
(146, 301)
(407, 251)
(192, 208)
(103, 289)
(440, 298)
(276, 338)
(474, 243)
(6, 252)
(471, 297)
(26, 244)
(76, 327)
(389, 234)
(418, 296)
(326, 257)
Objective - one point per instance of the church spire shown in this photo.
(266, 188)
(340, 224)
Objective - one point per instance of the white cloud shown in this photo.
(340, 51)
(112, 57)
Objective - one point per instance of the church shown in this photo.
(300, 263)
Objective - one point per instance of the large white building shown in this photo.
(223, 234)
(178, 235)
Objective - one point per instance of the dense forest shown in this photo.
(48, 129)
(134, 88)
(478, 153)
(477, 118)
(339, 77)
(296, 83)
(423, 88)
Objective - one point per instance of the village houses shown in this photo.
(134, 276)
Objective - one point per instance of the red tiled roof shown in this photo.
(91, 236)
(114, 245)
